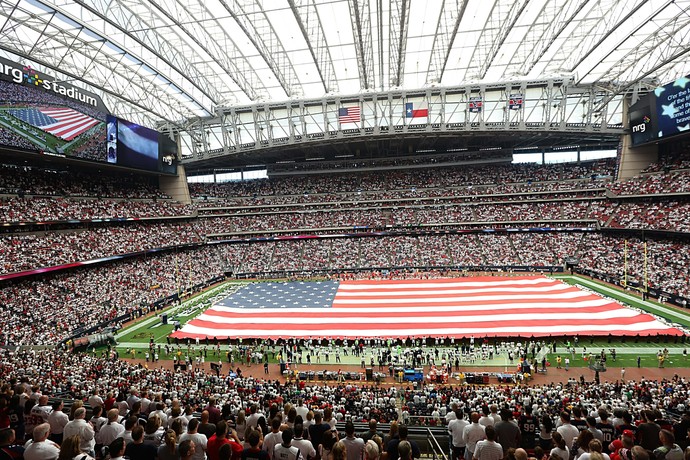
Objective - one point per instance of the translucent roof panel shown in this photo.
(182, 59)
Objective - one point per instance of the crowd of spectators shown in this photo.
(667, 261)
(413, 181)
(20, 252)
(124, 285)
(547, 416)
(40, 209)
(28, 180)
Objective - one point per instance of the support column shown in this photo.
(176, 186)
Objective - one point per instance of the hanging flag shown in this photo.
(515, 101)
(475, 104)
(411, 112)
(349, 115)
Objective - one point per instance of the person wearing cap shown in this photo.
(621, 449)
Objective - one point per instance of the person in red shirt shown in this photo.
(224, 436)
(621, 449)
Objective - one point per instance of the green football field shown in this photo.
(133, 341)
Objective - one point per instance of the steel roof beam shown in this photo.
(449, 19)
(307, 16)
(397, 39)
(361, 27)
(251, 16)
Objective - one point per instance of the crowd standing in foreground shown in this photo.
(150, 413)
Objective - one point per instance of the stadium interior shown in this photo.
(191, 190)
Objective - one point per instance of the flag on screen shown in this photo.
(526, 306)
(349, 115)
(411, 112)
(61, 122)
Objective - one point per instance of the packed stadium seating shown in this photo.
(33, 194)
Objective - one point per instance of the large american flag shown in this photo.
(480, 306)
(61, 122)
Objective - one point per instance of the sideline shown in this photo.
(651, 306)
(170, 310)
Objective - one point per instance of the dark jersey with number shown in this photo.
(609, 433)
(529, 424)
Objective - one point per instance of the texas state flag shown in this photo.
(410, 111)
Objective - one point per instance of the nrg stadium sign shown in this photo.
(26, 76)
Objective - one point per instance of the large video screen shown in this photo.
(673, 108)
(44, 122)
(663, 113)
(47, 123)
(137, 146)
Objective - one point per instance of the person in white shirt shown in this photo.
(160, 412)
(488, 449)
(567, 431)
(285, 450)
(41, 412)
(472, 434)
(561, 450)
(456, 428)
(97, 420)
(254, 416)
(305, 447)
(494, 414)
(40, 447)
(57, 420)
(95, 399)
(111, 430)
(486, 419)
(273, 438)
(80, 427)
(200, 441)
(301, 409)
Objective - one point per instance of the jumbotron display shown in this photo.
(40, 114)
(661, 114)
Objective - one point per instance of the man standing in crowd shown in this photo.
(41, 448)
(392, 447)
(567, 431)
(367, 435)
(285, 450)
(488, 449)
(80, 427)
(205, 427)
(274, 438)
(137, 449)
(507, 432)
(111, 430)
(456, 427)
(223, 435)
(200, 441)
(353, 444)
(57, 420)
(307, 451)
(472, 434)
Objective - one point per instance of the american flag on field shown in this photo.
(494, 306)
(349, 115)
(61, 122)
